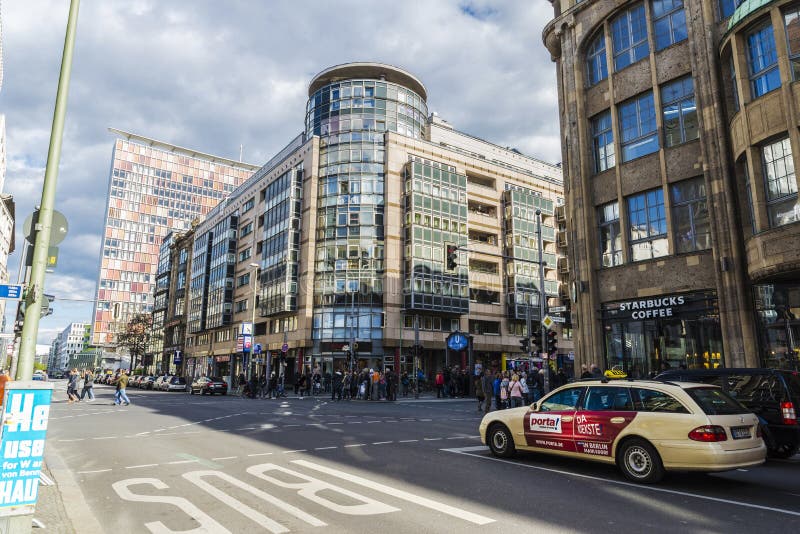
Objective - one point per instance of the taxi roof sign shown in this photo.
(615, 374)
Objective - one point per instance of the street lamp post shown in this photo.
(255, 267)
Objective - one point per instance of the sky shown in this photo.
(213, 76)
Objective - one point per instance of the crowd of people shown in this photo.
(512, 389)
(84, 381)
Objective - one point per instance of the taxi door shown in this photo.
(551, 426)
(604, 412)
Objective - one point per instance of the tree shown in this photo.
(136, 336)
(39, 366)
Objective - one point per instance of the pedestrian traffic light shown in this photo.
(523, 344)
(452, 258)
(552, 341)
(536, 338)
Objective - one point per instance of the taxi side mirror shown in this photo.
(535, 407)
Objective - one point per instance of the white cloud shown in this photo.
(213, 75)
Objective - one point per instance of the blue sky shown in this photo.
(213, 75)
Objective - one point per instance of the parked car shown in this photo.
(772, 394)
(147, 382)
(644, 427)
(209, 385)
(158, 385)
(175, 383)
(39, 375)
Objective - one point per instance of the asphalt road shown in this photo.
(173, 462)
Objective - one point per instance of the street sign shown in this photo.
(457, 341)
(557, 319)
(285, 348)
(257, 348)
(557, 309)
(547, 321)
(10, 291)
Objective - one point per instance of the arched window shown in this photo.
(596, 65)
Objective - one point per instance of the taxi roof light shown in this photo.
(708, 434)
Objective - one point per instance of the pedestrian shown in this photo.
(526, 394)
(404, 381)
(446, 382)
(487, 385)
(391, 385)
(72, 386)
(382, 387)
(440, 392)
(561, 377)
(496, 390)
(347, 380)
(336, 385)
(504, 390)
(88, 385)
(120, 396)
(585, 374)
(241, 381)
(515, 391)
(272, 388)
(596, 373)
(479, 393)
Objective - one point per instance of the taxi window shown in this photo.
(651, 400)
(714, 401)
(566, 399)
(601, 399)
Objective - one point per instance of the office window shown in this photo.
(762, 59)
(680, 112)
(602, 142)
(780, 183)
(596, 66)
(791, 20)
(629, 37)
(727, 7)
(669, 22)
(610, 235)
(690, 216)
(637, 118)
(647, 223)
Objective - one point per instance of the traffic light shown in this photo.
(523, 344)
(452, 258)
(552, 341)
(536, 338)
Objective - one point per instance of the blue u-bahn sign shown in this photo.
(457, 341)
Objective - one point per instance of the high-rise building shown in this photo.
(336, 249)
(69, 341)
(6, 205)
(154, 188)
(679, 134)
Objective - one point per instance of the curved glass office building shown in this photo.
(350, 107)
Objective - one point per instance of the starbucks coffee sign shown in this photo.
(651, 308)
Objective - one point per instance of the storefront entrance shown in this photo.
(646, 336)
(778, 315)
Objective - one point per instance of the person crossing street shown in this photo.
(120, 396)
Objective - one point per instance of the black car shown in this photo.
(772, 394)
(211, 385)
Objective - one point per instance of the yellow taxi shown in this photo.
(645, 427)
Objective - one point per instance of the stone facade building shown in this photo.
(342, 235)
(679, 127)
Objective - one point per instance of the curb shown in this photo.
(77, 510)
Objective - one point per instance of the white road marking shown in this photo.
(296, 450)
(224, 458)
(324, 448)
(95, 471)
(260, 454)
(381, 442)
(368, 422)
(399, 494)
(45, 480)
(335, 423)
(176, 462)
(287, 426)
(106, 437)
(138, 466)
(407, 440)
(71, 440)
(356, 445)
(431, 439)
(466, 452)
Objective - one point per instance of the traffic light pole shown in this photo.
(35, 291)
(542, 299)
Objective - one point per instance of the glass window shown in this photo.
(637, 118)
(669, 22)
(650, 400)
(647, 223)
(780, 183)
(603, 142)
(690, 215)
(608, 398)
(727, 7)
(762, 59)
(791, 20)
(629, 37)
(610, 235)
(680, 112)
(596, 66)
(566, 399)
(714, 401)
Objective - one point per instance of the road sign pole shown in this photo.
(35, 293)
(542, 296)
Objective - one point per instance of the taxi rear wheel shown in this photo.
(640, 462)
(500, 441)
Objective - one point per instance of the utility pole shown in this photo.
(416, 356)
(35, 291)
(542, 299)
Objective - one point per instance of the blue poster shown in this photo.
(24, 428)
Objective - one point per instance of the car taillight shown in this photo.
(789, 415)
(759, 434)
(708, 434)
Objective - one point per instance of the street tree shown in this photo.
(135, 336)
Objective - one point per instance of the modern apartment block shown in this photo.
(154, 188)
(342, 236)
(679, 127)
(69, 342)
